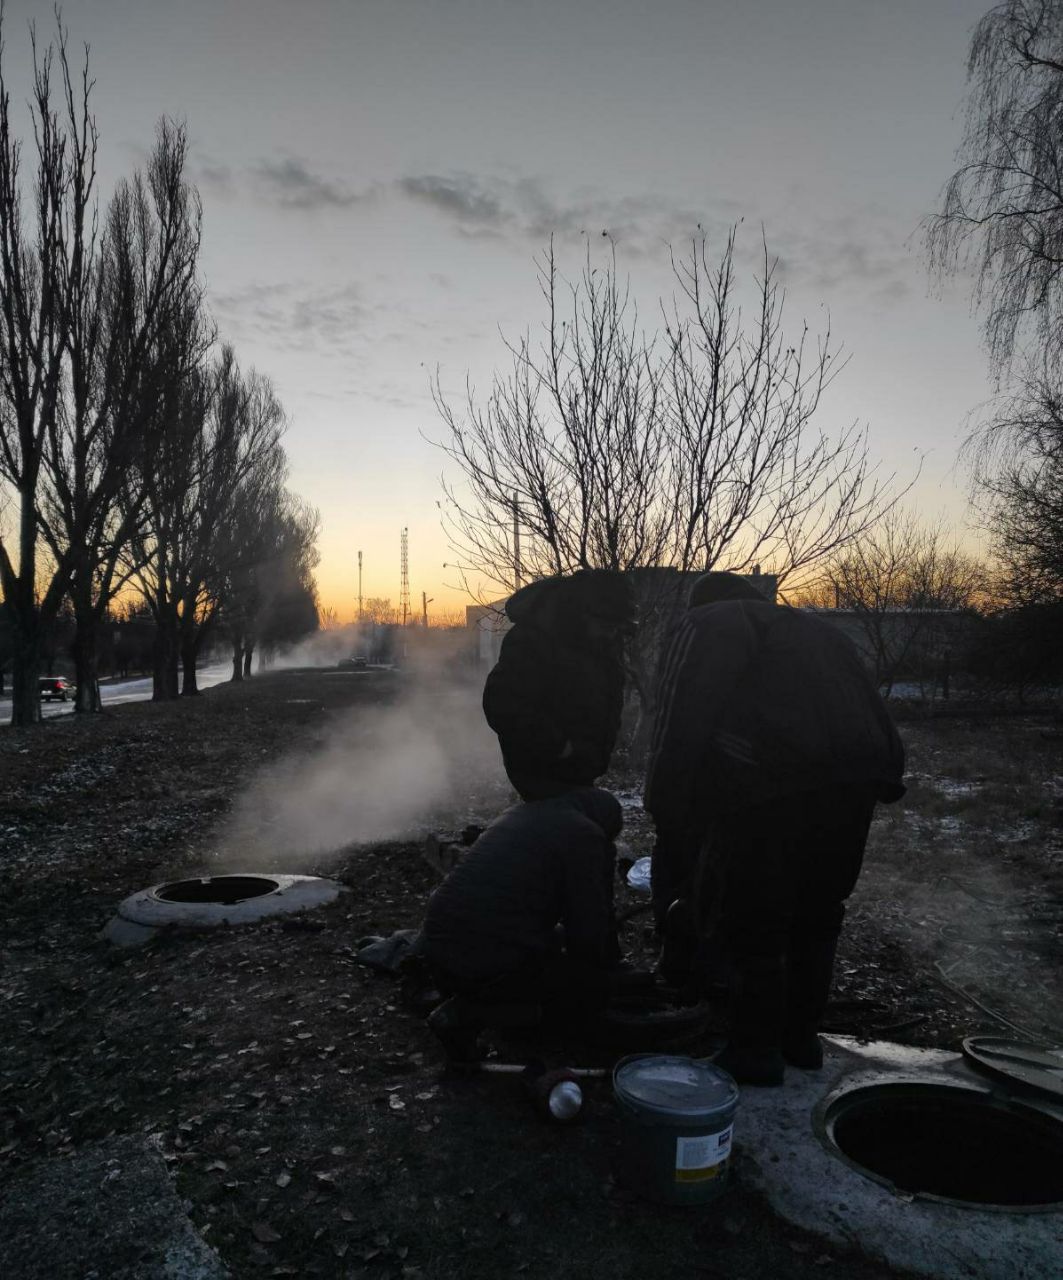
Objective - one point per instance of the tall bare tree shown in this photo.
(39, 260)
(221, 427)
(1003, 207)
(604, 447)
(567, 447)
(1003, 213)
(1017, 466)
(127, 304)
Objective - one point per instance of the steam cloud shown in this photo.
(381, 773)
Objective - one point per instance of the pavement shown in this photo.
(112, 693)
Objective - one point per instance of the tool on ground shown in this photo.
(555, 1093)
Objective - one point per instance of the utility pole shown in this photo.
(404, 589)
(360, 614)
(426, 600)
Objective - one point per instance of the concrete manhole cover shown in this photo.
(211, 901)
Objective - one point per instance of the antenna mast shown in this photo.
(404, 590)
(360, 613)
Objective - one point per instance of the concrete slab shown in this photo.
(778, 1152)
(110, 1212)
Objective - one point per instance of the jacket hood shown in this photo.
(711, 588)
(602, 807)
(558, 601)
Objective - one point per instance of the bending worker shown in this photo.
(771, 748)
(525, 923)
(556, 694)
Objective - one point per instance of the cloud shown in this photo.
(861, 249)
(293, 186)
(301, 317)
(523, 209)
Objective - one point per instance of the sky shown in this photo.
(379, 177)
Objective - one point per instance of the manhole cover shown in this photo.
(224, 889)
(956, 1144)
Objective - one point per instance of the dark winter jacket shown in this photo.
(541, 864)
(757, 702)
(553, 687)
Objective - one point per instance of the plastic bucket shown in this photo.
(677, 1117)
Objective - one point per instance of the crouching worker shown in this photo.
(524, 925)
(771, 749)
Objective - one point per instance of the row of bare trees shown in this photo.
(130, 454)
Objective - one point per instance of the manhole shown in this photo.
(224, 889)
(951, 1143)
(215, 901)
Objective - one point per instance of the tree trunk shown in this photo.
(25, 683)
(238, 658)
(86, 657)
(189, 654)
(249, 650)
(164, 672)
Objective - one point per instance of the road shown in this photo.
(124, 691)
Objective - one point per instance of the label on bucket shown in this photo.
(697, 1159)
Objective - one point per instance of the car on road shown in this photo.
(55, 687)
(358, 663)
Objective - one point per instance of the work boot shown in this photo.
(803, 1049)
(764, 1067)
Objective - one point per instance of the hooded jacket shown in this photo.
(540, 864)
(757, 702)
(551, 686)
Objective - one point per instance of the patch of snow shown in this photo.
(629, 799)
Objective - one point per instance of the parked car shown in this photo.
(358, 663)
(55, 687)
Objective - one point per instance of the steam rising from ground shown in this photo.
(378, 773)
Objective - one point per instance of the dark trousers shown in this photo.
(554, 981)
(776, 879)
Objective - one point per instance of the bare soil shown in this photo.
(302, 1108)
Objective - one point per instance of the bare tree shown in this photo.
(126, 302)
(1016, 467)
(268, 593)
(604, 447)
(1002, 211)
(905, 584)
(38, 262)
(568, 445)
(219, 428)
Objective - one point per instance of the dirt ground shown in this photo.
(302, 1108)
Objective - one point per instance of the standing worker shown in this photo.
(556, 693)
(771, 748)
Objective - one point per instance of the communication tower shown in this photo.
(360, 613)
(404, 590)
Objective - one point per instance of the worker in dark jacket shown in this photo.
(771, 748)
(527, 919)
(555, 696)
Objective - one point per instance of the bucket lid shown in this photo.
(674, 1085)
(1038, 1066)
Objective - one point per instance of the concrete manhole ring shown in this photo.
(211, 901)
(953, 1142)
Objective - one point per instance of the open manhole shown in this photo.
(952, 1143)
(224, 889)
(209, 902)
